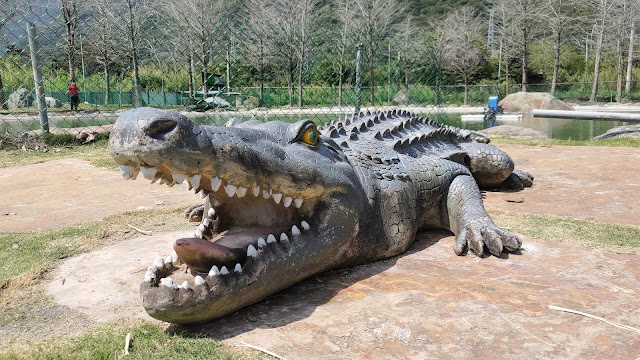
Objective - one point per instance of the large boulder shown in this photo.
(52, 102)
(524, 102)
(628, 131)
(517, 132)
(21, 98)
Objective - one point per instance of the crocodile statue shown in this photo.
(284, 201)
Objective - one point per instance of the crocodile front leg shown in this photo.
(470, 222)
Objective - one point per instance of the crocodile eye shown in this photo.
(310, 135)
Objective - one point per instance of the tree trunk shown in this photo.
(191, 71)
(137, 101)
(466, 92)
(596, 68)
(261, 91)
(371, 86)
(106, 82)
(632, 33)
(556, 64)
(506, 77)
(3, 100)
(290, 82)
(525, 49)
(620, 72)
(340, 75)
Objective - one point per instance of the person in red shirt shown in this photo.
(73, 92)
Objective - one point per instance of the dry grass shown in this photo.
(609, 237)
(39, 251)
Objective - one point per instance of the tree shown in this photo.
(561, 18)
(374, 20)
(461, 52)
(520, 20)
(603, 8)
(103, 39)
(69, 10)
(195, 29)
(344, 11)
(259, 50)
(7, 11)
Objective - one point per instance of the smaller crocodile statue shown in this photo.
(285, 201)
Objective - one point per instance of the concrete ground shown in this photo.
(426, 303)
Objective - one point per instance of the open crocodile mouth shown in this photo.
(243, 228)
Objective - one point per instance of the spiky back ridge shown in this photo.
(381, 134)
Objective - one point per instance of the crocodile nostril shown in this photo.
(159, 128)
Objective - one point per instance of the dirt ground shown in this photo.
(427, 303)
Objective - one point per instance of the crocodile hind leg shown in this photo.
(471, 224)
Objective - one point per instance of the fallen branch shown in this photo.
(144, 232)
(127, 342)
(551, 307)
(242, 343)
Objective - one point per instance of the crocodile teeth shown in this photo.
(199, 281)
(261, 243)
(215, 183)
(271, 239)
(287, 201)
(277, 198)
(126, 171)
(305, 225)
(211, 212)
(174, 256)
(178, 178)
(224, 271)
(238, 268)
(202, 194)
(251, 251)
(207, 222)
(295, 230)
(195, 181)
(266, 193)
(148, 172)
(297, 202)
(198, 233)
(256, 191)
(185, 285)
(230, 189)
(241, 192)
(284, 237)
(150, 276)
(158, 263)
(214, 271)
(169, 283)
(168, 262)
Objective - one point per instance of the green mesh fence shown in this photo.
(127, 53)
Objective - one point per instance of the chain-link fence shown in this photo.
(212, 68)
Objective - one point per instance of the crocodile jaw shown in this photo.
(173, 295)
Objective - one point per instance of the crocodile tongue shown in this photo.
(200, 255)
(226, 249)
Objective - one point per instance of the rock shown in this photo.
(21, 98)
(251, 102)
(522, 102)
(403, 97)
(516, 131)
(217, 101)
(627, 131)
(52, 102)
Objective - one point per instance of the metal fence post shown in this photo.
(37, 78)
(358, 78)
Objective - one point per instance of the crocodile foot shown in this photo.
(484, 232)
(518, 180)
(194, 212)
